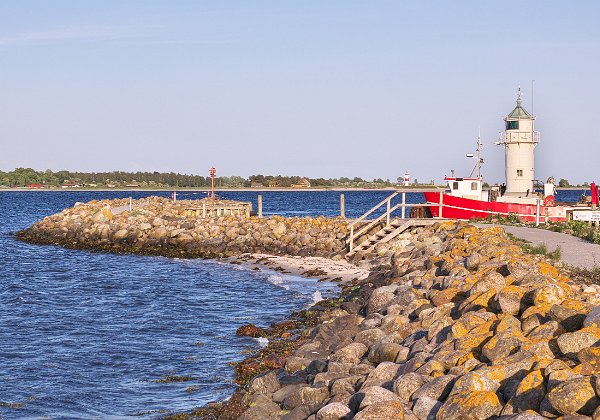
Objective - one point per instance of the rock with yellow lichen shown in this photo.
(471, 405)
(574, 396)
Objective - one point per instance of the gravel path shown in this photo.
(573, 251)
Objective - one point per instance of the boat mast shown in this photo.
(479, 159)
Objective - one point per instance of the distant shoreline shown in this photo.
(341, 189)
(250, 189)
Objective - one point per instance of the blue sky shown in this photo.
(316, 88)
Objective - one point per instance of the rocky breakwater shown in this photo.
(158, 226)
(454, 322)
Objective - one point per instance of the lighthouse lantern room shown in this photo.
(519, 139)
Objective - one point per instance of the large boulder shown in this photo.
(387, 352)
(574, 396)
(437, 389)
(572, 342)
(473, 405)
(382, 410)
(352, 353)
(406, 385)
(380, 298)
(334, 411)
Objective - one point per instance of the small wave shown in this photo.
(262, 341)
(317, 297)
(278, 280)
(275, 279)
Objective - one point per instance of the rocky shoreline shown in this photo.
(453, 321)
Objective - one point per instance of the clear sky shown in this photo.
(315, 88)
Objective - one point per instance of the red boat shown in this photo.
(461, 207)
(466, 199)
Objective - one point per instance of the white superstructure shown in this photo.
(519, 139)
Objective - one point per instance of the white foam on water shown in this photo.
(275, 279)
(278, 280)
(317, 297)
(262, 341)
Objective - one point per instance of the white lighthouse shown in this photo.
(519, 140)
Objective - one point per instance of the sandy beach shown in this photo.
(317, 267)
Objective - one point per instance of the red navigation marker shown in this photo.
(213, 174)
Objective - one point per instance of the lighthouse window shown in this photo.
(512, 125)
(519, 172)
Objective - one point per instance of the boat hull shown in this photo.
(465, 208)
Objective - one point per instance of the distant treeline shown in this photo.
(22, 177)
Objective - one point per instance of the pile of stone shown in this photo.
(159, 226)
(454, 322)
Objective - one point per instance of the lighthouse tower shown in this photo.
(519, 139)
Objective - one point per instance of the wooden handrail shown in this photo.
(387, 213)
(373, 209)
(374, 221)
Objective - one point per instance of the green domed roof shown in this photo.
(519, 111)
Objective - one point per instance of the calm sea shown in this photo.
(89, 335)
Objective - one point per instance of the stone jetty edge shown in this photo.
(453, 321)
(159, 226)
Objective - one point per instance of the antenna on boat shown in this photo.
(479, 159)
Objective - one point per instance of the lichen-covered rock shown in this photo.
(574, 396)
(593, 318)
(383, 375)
(334, 411)
(376, 394)
(501, 345)
(352, 353)
(266, 383)
(473, 405)
(510, 299)
(306, 395)
(380, 298)
(589, 358)
(407, 384)
(572, 343)
(474, 381)
(549, 294)
(437, 389)
(387, 352)
(528, 395)
(381, 410)
(426, 408)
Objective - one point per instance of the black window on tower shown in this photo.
(512, 125)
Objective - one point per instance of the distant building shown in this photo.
(256, 184)
(303, 183)
(273, 184)
(69, 185)
(37, 186)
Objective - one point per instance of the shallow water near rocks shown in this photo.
(86, 335)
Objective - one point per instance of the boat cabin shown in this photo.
(471, 188)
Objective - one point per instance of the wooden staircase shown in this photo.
(385, 234)
(389, 231)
